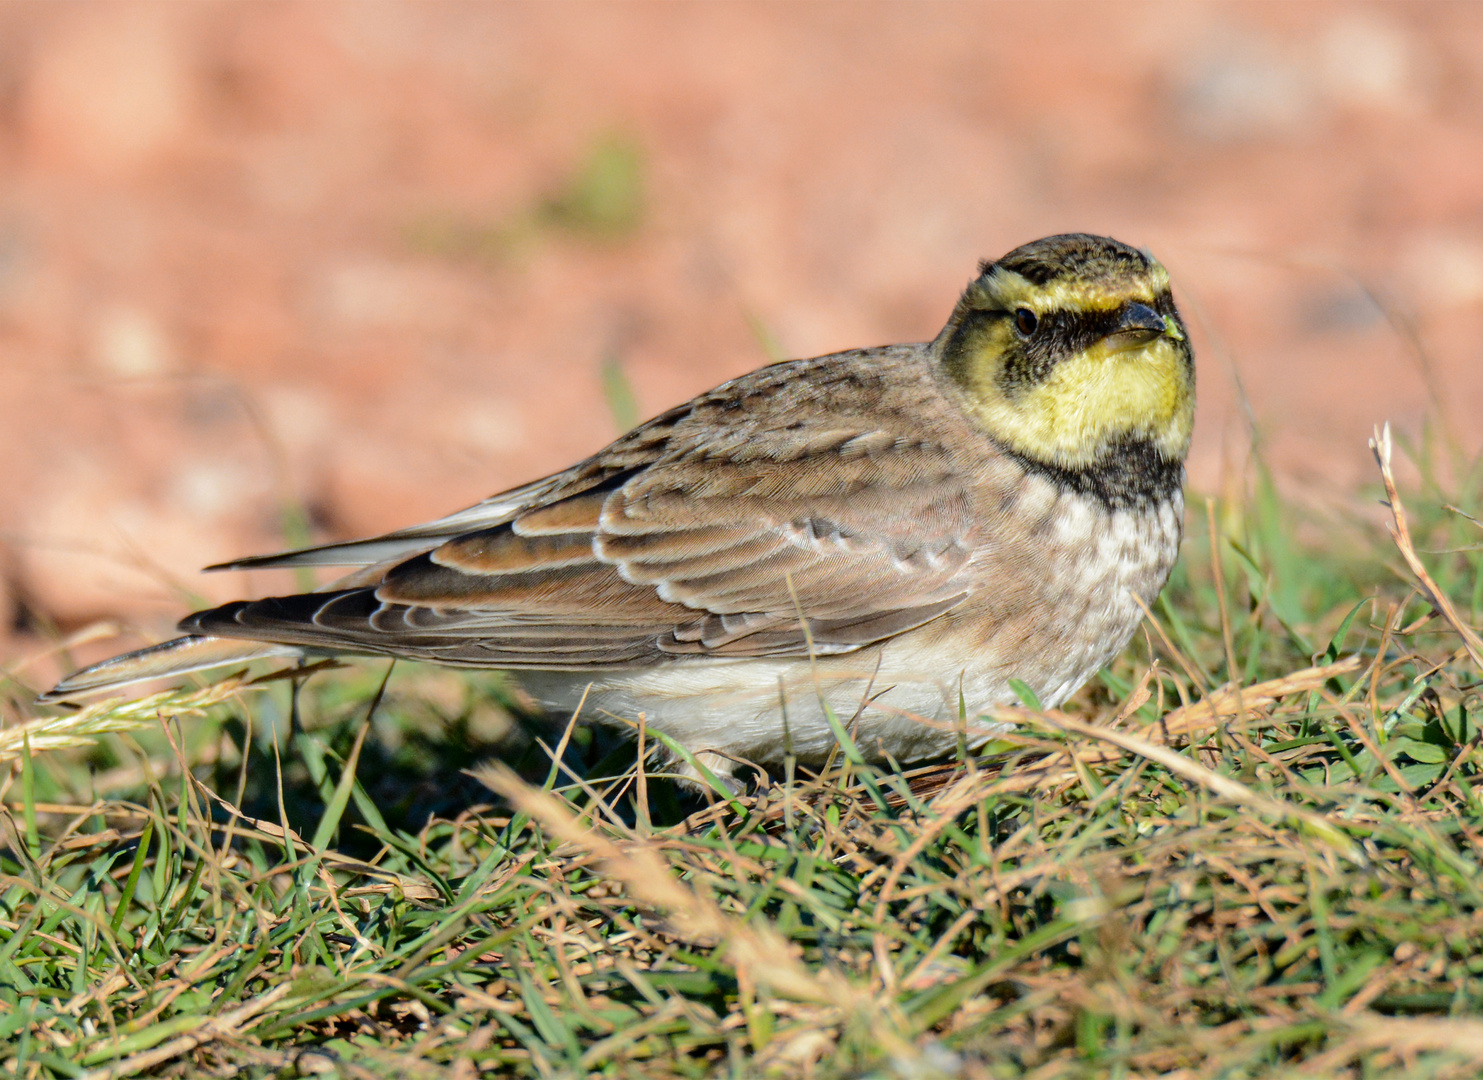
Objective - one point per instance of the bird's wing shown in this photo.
(771, 529)
(633, 450)
(491, 511)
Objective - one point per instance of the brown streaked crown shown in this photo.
(1074, 257)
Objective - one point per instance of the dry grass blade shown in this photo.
(1230, 702)
(1400, 532)
(1405, 1035)
(1212, 781)
(753, 948)
(1185, 722)
(64, 732)
(107, 717)
(227, 1025)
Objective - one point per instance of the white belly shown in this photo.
(915, 696)
(762, 710)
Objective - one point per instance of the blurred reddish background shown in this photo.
(371, 259)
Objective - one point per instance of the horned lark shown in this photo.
(893, 534)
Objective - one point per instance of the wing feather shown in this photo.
(751, 522)
(494, 510)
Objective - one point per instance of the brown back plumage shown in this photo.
(690, 536)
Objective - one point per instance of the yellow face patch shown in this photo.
(1069, 401)
(1091, 403)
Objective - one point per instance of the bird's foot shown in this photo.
(721, 767)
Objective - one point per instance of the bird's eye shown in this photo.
(1025, 321)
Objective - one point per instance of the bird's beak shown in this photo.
(1139, 325)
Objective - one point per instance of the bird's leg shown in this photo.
(722, 767)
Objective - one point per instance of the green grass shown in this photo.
(1284, 881)
(601, 200)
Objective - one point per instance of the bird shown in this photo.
(892, 542)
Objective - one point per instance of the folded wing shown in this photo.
(711, 531)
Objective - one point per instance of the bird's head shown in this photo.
(1070, 349)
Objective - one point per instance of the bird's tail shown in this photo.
(174, 657)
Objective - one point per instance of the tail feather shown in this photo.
(174, 657)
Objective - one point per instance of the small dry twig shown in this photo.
(1401, 534)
